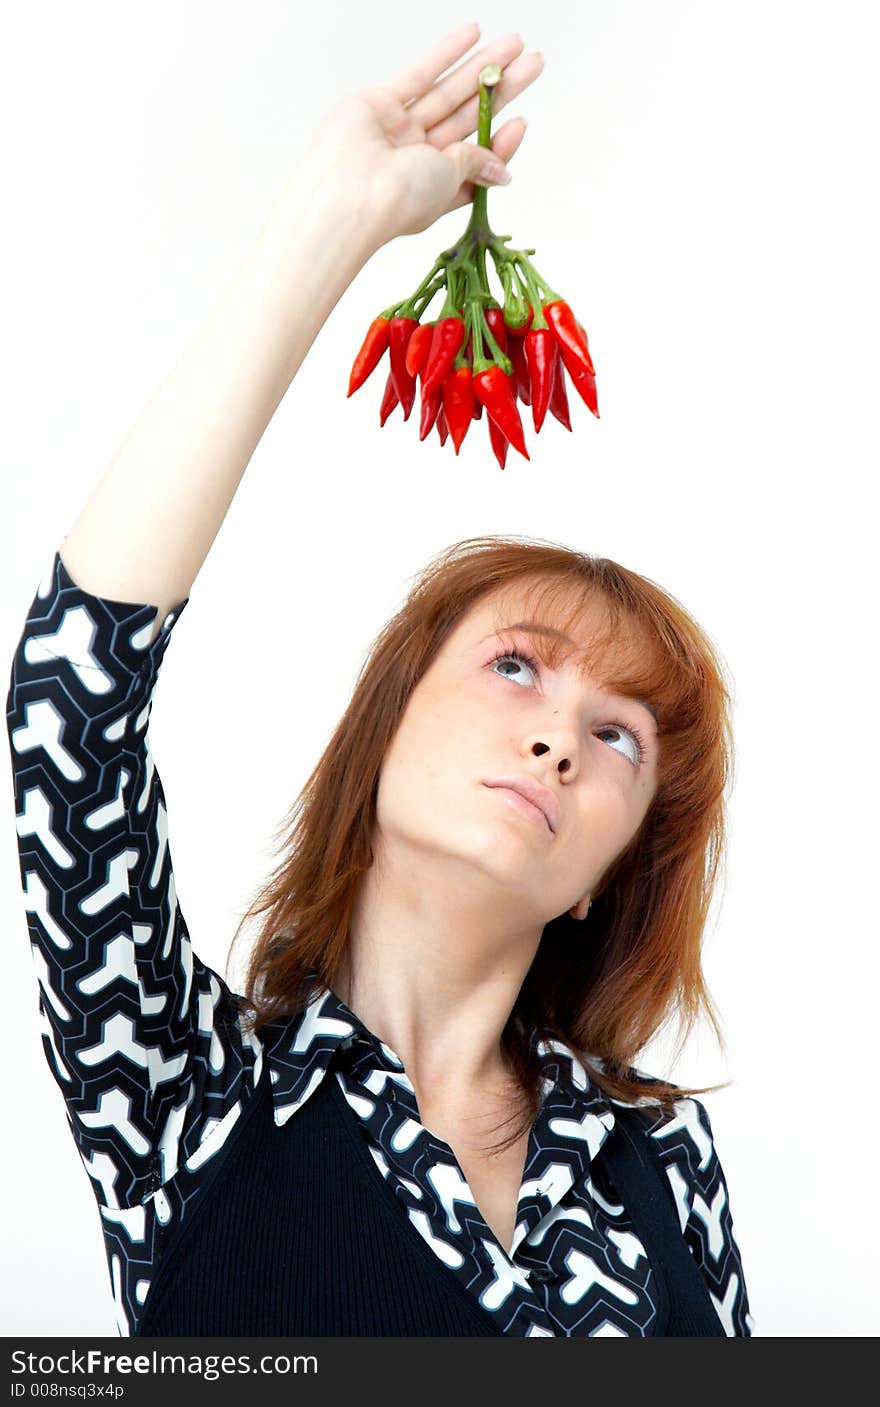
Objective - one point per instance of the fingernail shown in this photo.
(496, 171)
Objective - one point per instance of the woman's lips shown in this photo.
(527, 808)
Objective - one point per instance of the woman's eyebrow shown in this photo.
(537, 627)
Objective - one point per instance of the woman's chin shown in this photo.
(507, 847)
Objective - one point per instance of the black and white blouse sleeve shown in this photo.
(686, 1145)
(141, 1037)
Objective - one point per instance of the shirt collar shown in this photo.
(305, 1044)
(302, 1050)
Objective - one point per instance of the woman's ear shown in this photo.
(579, 910)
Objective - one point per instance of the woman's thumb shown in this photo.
(480, 165)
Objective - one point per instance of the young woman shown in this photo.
(492, 896)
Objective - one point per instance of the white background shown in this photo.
(699, 180)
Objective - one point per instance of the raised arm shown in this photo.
(150, 522)
(376, 169)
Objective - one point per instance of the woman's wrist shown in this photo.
(319, 203)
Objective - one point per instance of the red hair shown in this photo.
(604, 986)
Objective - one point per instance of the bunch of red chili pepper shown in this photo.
(477, 354)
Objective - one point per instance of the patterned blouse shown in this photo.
(155, 1066)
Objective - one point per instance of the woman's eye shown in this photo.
(623, 735)
(516, 662)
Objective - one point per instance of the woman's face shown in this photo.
(472, 719)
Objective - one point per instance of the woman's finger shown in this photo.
(413, 82)
(464, 83)
(462, 123)
(507, 140)
(505, 143)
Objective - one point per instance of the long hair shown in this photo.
(604, 986)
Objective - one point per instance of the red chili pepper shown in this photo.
(541, 356)
(584, 382)
(496, 392)
(559, 399)
(442, 427)
(401, 331)
(389, 401)
(507, 340)
(499, 441)
(432, 404)
(497, 326)
(418, 347)
(458, 403)
(477, 410)
(446, 343)
(520, 369)
(374, 347)
(499, 329)
(569, 333)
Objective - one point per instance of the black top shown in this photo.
(293, 1234)
(157, 1074)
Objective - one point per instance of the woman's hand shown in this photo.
(399, 149)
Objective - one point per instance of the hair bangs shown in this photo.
(620, 640)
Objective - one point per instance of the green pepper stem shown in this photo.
(527, 275)
(455, 271)
(420, 304)
(515, 311)
(489, 77)
(462, 268)
(406, 307)
(497, 355)
(550, 294)
(478, 327)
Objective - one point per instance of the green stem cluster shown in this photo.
(462, 268)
